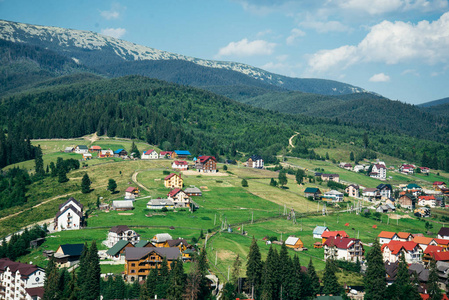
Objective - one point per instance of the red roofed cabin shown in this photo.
(386, 236)
(180, 165)
(393, 250)
(131, 193)
(95, 149)
(166, 154)
(438, 185)
(343, 249)
(327, 234)
(173, 181)
(206, 164)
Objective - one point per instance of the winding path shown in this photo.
(290, 140)
(134, 178)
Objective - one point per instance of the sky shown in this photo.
(397, 48)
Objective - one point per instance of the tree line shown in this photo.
(19, 244)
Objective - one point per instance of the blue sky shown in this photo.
(397, 48)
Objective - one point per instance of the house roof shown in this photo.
(426, 198)
(118, 247)
(130, 189)
(24, 269)
(161, 237)
(177, 242)
(160, 202)
(427, 297)
(148, 152)
(396, 246)
(442, 241)
(203, 158)
(312, 190)
(319, 230)
(170, 176)
(72, 249)
(174, 192)
(330, 175)
(181, 163)
(166, 152)
(356, 186)
(122, 204)
(119, 229)
(340, 242)
(71, 199)
(369, 190)
(328, 234)
(411, 186)
(36, 292)
(143, 243)
(72, 208)
(423, 273)
(95, 147)
(291, 240)
(182, 152)
(444, 231)
(255, 157)
(333, 192)
(441, 256)
(422, 240)
(386, 234)
(138, 253)
(82, 147)
(119, 150)
(439, 183)
(404, 235)
(384, 186)
(192, 189)
(68, 148)
(432, 248)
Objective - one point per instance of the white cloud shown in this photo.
(379, 7)
(410, 71)
(282, 57)
(391, 43)
(113, 13)
(265, 32)
(114, 32)
(295, 32)
(247, 48)
(324, 27)
(381, 77)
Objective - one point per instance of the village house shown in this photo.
(193, 191)
(332, 196)
(442, 243)
(413, 188)
(166, 154)
(384, 190)
(443, 233)
(255, 161)
(385, 208)
(119, 233)
(160, 204)
(294, 242)
(180, 165)
(95, 149)
(206, 164)
(441, 256)
(159, 239)
(69, 149)
(87, 156)
(117, 252)
(122, 205)
(318, 231)
(144, 243)
(120, 153)
(424, 170)
(173, 181)
(407, 169)
(20, 280)
(443, 274)
(392, 251)
(181, 154)
(386, 236)
(80, 149)
(358, 168)
(68, 255)
(353, 190)
(150, 154)
(429, 201)
(438, 185)
(131, 193)
(404, 236)
(424, 242)
(342, 248)
(328, 234)
(315, 193)
(184, 247)
(379, 171)
(179, 198)
(407, 201)
(347, 166)
(428, 253)
(139, 261)
(330, 177)
(105, 153)
(70, 215)
(371, 194)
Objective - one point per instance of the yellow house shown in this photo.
(294, 242)
(173, 181)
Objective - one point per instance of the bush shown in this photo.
(225, 167)
(164, 209)
(165, 172)
(244, 183)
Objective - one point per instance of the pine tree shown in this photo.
(39, 162)
(63, 284)
(203, 267)
(285, 267)
(299, 176)
(313, 281)
(298, 280)
(62, 175)
(177, 281)
(53, 170)
(254, 267)
(330, 282)
(82, 271)
(235, 273)
(73, 288)
(134, 150)
(433, 289)
(273, 182)
(374, 281)
(51, 290)
(134, 291)
(282, 179)
(150, 285)
(244, 182)
(351, 156)
(112, 185)
(162, 279)
(85, 184)
(402, 278)
(269, 279)
(93, 273)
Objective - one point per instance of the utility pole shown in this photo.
(216, 257)
(215, 219)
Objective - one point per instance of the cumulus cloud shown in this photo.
(410, 71)
(378, 7)
(113, 13)
(265, 32)
(391, 43)
(324, 27)
(247, 48)
(296, 32)
(114, 32)
(381, 77)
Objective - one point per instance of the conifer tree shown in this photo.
(433, 289)
(298, 280)
(203, 266)
(299, 176)
(93, 273)
(82, 271)
(134, 291)
(63, 284)
(244, 182)
(269, 280)
(313, 282)
(51, 291)
(112, 185)
(254, 267)
(62, 175)
(135, 150)
(285, 267)
(119, 288)
(282, 178)
(235, 274)
(53, 170)
(85, 184)
(39, 162)
(374, 281)
(273, 182)
(73, 288)
(330, 282)
(177, 281)
(162, 279)
(150, 284)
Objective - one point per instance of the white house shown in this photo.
(318, 231)
(384, 190)
(150, 154)
(443, 233)
(180, 165)
(358, 168)
(179, 198)
(20, 281)
(119, 233)
(370, 193)
(427, 201)
(392, 252)
(386, 236)
(255, 161)
(80, 149)
(379, 171)
(342, 248)
(333, 195)
(353, 190)
(160, 204)
(69, 216)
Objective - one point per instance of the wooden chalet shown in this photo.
(68, 255)
(131, 193)
(95, 149)
(294, 242)
(181, 154)
(105, 153)
(117, 252)
(312, 192)
(173, 181)
(206, 164)
(327, 234)
(120, 153)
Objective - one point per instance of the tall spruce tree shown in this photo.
(82, 271)
(235, 273)
(93, 273)
(254, 267)
(203, 267)
(177, 281)
(433, 288)
(134, 150)
(39, 162)
(85, 184)
(285, 267)
(298, 280)
(269, 280)
(313, 281)
(374, 281)
(51, 288)
(163, 280)
(330, 282)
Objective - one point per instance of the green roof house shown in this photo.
(117, 252)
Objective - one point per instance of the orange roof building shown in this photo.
(386, 236)
(393, 250)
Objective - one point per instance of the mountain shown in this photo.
(109, 55)
(434, 102)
